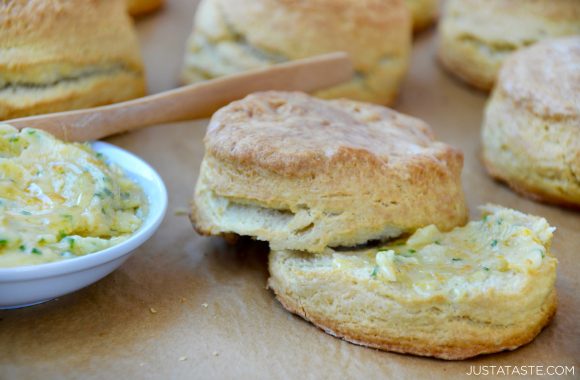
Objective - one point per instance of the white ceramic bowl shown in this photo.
(32, 284)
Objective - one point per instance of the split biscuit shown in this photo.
(482, 288)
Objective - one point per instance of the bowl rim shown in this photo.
(150, 224)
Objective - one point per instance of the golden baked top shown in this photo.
(44, 40)
(513, 21)
(545, 77)
(369, 29)
(294, 134)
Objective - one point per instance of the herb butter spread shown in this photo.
(60, 200)
(501, 251)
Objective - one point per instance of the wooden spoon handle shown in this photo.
(193, 101)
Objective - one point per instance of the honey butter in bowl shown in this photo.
(69, 213)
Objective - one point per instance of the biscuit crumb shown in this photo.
(204, 305)
(153, 310)
(182, 299)
(182, 358)
(181, 211)
(215, 353)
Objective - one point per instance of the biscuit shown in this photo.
(232, 36)
(304, 173)
(58, 55)
(531, 128)
(482, 288)
(423, 13)
(476, 36)
(140, 7)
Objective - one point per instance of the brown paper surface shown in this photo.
(189, 307)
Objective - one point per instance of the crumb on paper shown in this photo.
(182, 358)
(153, 310)
(182, 299)
(215, 353)
(204, 305)
(181, 211)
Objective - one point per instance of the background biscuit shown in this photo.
(476, 36)
(231, 36)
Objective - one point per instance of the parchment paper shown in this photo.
(190, 307)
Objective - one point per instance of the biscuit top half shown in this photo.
(507, 24)
(545, 78)
(62, 34)
(369, 30)
(294, 134)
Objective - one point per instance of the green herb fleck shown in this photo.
(22, 248)
(437, 242)
(3, 242)
(486, 269)
(108, 192)
(484, 218)
(374, 272)
(494, 243)
(36, 251)
(32, 132)
(456, 259)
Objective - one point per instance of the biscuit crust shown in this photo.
(476, 36)
(423, 12)
(58, 55)
(141, 7)
(305, 173)
(231, 36)
(531, 128)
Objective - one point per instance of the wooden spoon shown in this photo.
(193, 101)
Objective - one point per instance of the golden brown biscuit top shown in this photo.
(513, 21)
(546, 77)
(369, 30)
(65, 32)
(295, 134)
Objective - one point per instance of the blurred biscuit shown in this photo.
(531, 128)
(423, 13)
(140, 7)
(476, 36)
(231, 36)
(58, 55)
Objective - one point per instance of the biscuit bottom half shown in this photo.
(486, 287)
(62, 89)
